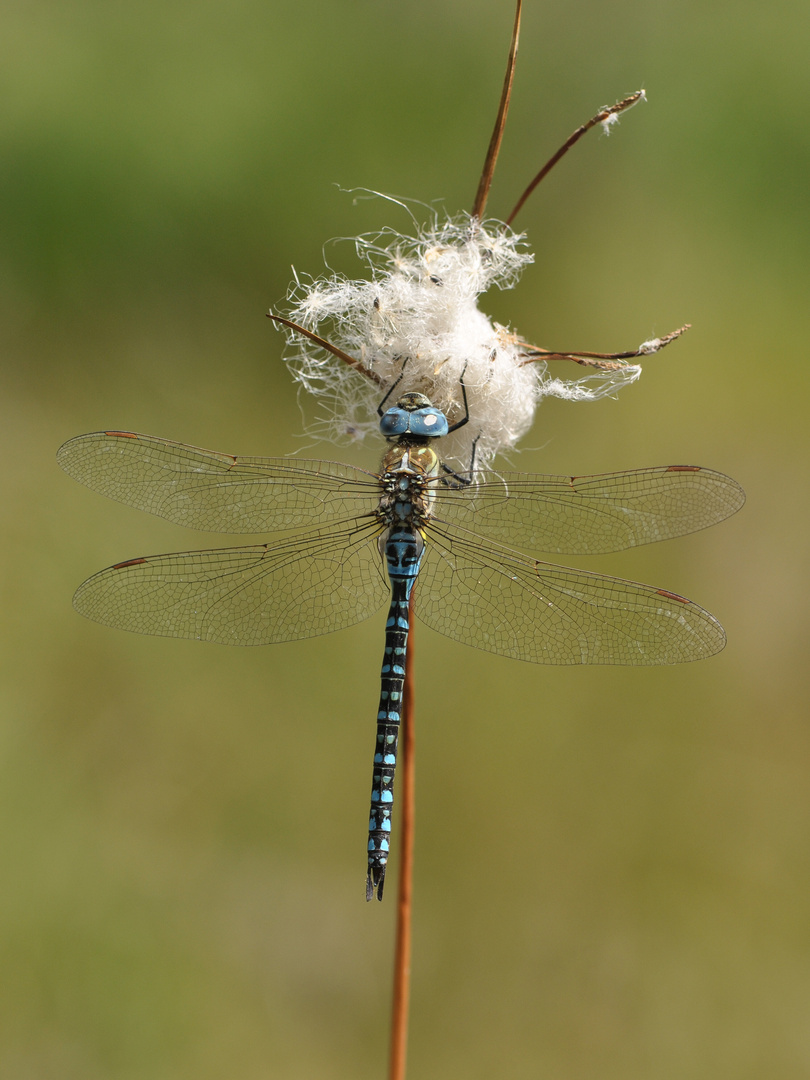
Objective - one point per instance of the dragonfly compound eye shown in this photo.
(429, 421)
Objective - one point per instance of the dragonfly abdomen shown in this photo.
(404, 548)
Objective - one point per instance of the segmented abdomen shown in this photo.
(404, 548)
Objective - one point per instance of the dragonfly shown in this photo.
(343, 540)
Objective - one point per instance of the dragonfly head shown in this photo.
(414, 415)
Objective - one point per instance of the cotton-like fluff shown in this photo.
(417, 316)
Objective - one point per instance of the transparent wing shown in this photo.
(497, 600)
(202, 489)
(590, 515)
(300, 587)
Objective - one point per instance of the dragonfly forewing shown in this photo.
(591, 515)
(202, 489)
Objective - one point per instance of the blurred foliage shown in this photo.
(612, 866)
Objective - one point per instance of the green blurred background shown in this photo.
(612, 866)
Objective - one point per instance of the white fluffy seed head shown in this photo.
(417, 316)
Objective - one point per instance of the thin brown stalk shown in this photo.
(333, 349)
(402, 953)
(491, 159)
(600, 118)
(603, 361)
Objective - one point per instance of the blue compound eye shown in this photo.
(430, 422)
(424, 422)
(394, 422)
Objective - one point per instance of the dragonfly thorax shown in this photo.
(407, 477)
(413, 415)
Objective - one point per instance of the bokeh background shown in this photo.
(612, 873)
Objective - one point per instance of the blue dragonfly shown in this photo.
(346, 540)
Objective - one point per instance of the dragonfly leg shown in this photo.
(391, 388)
(465, 418)
(462, 481)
